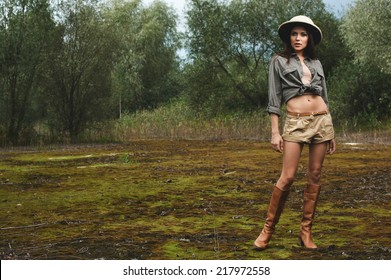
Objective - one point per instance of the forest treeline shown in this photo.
(71, 66)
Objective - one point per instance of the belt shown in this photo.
(308, 114)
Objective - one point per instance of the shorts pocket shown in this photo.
(295, 124)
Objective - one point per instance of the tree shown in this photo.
(360, 94)
(146, 66)
(24, 28)
(366, 29)
(79, 86)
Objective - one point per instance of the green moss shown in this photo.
(186, 200)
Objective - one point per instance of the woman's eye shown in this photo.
(302, 34)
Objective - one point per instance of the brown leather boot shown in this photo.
(274, 211)
(311, 195)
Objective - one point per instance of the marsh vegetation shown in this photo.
(162, 199)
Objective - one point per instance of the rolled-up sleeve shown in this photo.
(275, 88)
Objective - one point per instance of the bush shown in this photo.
(359, 96)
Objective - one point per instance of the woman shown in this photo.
(296, 78)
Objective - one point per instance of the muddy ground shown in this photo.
(186, 200)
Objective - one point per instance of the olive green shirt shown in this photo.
(285, 81)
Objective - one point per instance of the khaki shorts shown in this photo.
(308, 129)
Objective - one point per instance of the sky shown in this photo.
(336, 6)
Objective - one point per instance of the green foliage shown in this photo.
(63, 66)
(79, 87)
(24, 28)
(367, 32)
(146, 69)
(359, 95)
(332, 50)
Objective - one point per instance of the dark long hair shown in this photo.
(309, 51)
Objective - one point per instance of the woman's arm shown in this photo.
(332, 146)
(277, 141)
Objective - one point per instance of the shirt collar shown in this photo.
(305, 58)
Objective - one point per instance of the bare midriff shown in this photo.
(306, 103)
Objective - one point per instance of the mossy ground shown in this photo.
(186, 200)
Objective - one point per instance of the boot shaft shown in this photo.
(311, 196)
(310, 200)
(274, 211)
(276, 206)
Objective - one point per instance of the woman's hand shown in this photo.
(277, 142)
(332, 147)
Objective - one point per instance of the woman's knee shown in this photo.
(313, 175)
(284, 183)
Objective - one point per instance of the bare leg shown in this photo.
(311, 193)
(291, 157)
(292, 152)
(317, 154)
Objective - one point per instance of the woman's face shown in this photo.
(299, 39)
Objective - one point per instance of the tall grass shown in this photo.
(178, 121)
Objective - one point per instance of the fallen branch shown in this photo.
(29, 226)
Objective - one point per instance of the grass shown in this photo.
(177, 121)
(163, 199)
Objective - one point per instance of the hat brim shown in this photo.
(285, 29)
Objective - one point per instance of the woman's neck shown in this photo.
(300, 55)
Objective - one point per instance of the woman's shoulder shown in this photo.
(278, 59)
(316, 63)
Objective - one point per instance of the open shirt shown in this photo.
(285, 81)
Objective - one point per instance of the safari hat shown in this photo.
(285, 28)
